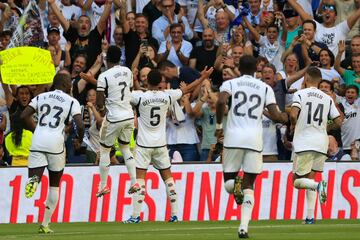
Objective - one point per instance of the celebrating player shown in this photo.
(243, 142)
(114, 86)
(310, 112)
(152, 107)
(48, 148)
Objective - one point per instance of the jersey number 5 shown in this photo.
(155, 117)
(47, 109)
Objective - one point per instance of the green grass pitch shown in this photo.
(219, 230)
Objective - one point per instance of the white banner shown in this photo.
(200, 190)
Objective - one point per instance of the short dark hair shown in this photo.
(314, 73)
(311, 22)
(331, 84)
(60, 80)
(247, 65)
(154, 77)
(176, 25)
(273, 25)
(352, 86)
(113, 54)
(270, 65)
(164, 64)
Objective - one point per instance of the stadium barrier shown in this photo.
(201, 195)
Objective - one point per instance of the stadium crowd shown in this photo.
(182, 38)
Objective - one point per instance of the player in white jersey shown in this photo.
(54, 109)
(243, 142)
(152, 107)
(113, 94)
(310, 112)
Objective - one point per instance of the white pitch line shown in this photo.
(15, 236)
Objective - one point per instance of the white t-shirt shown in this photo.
(249, 97)
(185, 49)
(350, 128)
(316, 107)
(329, 74)
(54, 109)
(152, 107)
(332, 36)
(269, 137)
(116, 82)
(272, 52)
(69, 11)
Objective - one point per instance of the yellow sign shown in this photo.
(27, 66)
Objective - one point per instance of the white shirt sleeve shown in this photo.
(175, 94)
(334, 113)
(270, 97)
(135, 97)
(296, 101)
(34, 103)
(162, 47)
(226, 87)
(76, 109)
(186, 48)
(101, 83)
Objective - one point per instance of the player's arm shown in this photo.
(276, 115)
(220, 111)
(80, 129)
(205, 74)
(26, 116)
(336, 124)
(100, 101)
(294, 113)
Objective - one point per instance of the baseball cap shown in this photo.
(51, 29)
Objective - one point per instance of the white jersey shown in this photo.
(316, 107)
(54, 109)
(152, 107)
(249, 97)
(116, 82)
(269, 137)
(350, 128)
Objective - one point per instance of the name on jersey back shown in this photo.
(154, 100)
(314, 94)
(57, 97)
(248, 84)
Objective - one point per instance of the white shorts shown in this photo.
(158, 156)
(54, 162)
(249, 160)
(305, 162)
(121, 130)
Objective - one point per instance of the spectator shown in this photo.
(18, 142)
(307, 42)
(350, 129)
(177, 50)
(70, 12)
(354, 49)
(5, 38)
(351, 77)
(145, 57)
(133, 38)
(161, 26)
(118, 37)
(335, 153)
(328, 32)
(182, 137)
(327, 61)
(84, 41)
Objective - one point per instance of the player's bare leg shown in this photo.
(171, 193)
(51, 201)
(104, 166)
(138, 197)
(248, 204)
(130, 165)
(35, 175)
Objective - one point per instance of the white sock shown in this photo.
(171, 193)
(311, 202)
(305, 183)
(229, 186)
(246, 209)
(138, 198)
(52, 200)
(129, 162)
(104, 166)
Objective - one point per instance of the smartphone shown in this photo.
(300, 32)
(144, 42)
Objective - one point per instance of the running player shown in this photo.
(54, 109)
(152, 107)
(113, 94)
(310, 112)
(243, 142)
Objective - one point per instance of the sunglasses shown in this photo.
(329, 7)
